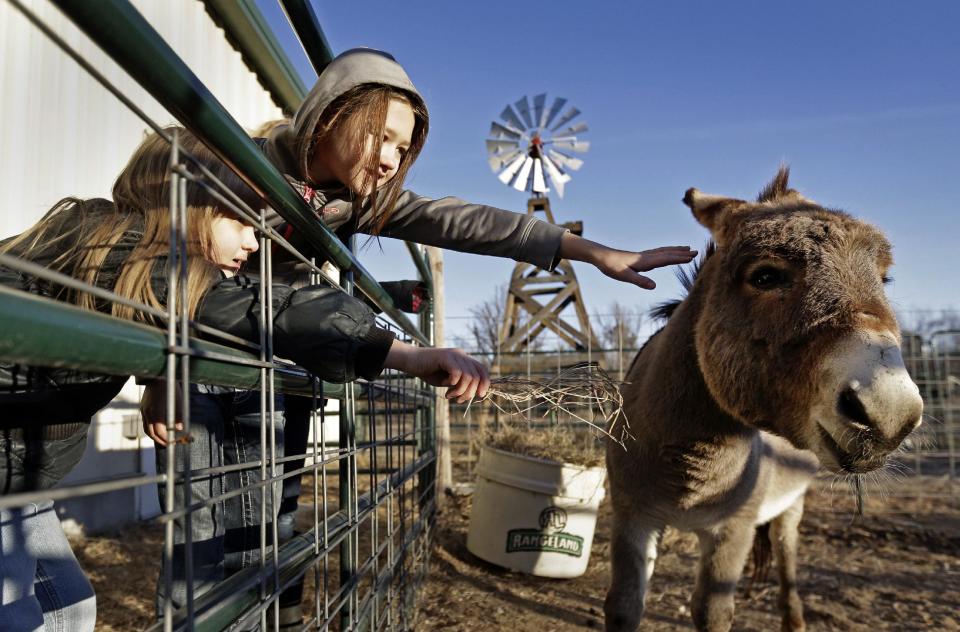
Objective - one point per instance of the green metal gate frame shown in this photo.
(104, 344)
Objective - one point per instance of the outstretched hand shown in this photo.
(622, 265)
(466, 378)
(627, 266)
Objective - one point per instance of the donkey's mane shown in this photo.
(777, 187)
(663, 311)
(687, 277)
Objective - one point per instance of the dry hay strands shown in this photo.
(582, 384)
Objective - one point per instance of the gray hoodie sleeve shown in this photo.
(484, 230)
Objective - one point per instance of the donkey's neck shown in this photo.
(688, 453)
(683, 404)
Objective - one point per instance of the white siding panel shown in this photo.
(66, 135)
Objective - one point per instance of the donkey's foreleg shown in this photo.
(785, 536)
(723, 554)
(633, 552)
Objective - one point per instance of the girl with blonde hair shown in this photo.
(122, 246)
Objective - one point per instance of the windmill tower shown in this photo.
(526, 150)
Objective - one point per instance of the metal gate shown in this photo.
(366, 545)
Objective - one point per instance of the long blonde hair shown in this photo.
(362, 111)
(79, 237)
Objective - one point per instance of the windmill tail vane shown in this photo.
(527, 149)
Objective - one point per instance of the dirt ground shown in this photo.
(884, 571)
(896, 568)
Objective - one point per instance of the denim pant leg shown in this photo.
(242, 444)
(43, 586)
(296, 431)
(29, 463)
(207, 524)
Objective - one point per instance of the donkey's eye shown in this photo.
(768, 278)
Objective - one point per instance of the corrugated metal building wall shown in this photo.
(63, 134)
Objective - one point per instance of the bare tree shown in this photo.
(619, 329)
(484, 327)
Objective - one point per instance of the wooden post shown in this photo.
(444, 458)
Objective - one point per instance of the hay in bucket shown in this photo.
(578, 388)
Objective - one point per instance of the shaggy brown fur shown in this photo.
(728, 397)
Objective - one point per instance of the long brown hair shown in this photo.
(362, 111)
(77, 237)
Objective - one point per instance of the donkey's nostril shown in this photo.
(850, 406)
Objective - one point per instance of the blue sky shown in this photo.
(861, 99)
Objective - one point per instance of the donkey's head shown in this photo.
(794, 334)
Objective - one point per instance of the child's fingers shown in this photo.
(650, 259)
(453, 372)
(478, 374)
(156, 431)
(679, 249)
(463, 381)
(630, 275)
(484, 384)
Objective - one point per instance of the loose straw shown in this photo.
(579, 384)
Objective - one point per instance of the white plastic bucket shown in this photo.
(533, 515)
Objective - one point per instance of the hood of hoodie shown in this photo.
(288, 146)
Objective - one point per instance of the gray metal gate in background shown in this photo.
(367, 543)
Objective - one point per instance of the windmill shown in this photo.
(526, 149)
(529, 147)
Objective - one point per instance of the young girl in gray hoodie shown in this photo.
(347, 152)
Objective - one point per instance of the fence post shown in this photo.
(346, 467)
(442, 407)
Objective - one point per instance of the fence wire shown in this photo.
(358, 545)
(925, 467)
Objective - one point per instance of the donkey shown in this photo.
(783, 357)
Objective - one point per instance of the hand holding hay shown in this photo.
(583, 384)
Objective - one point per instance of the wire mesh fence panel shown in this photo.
(279, 500)
(925, 467)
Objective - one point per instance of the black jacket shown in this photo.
(331, 334)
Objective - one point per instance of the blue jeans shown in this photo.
(225, 534)
(42, 586)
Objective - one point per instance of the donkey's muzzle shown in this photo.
(875, 403)
(876, 423)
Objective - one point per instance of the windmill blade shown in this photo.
(565, 161)
(497, 161)
(523, 107)
(538, 102)
(566, 118)
(520, 184)
(511, 117)
(573, 130)
(502, 131)
(558, 104)
(512, 169)
(539, 184)
(557, 178)
(573, 145)
(497, 146)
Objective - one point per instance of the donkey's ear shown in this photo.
(710, 210)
